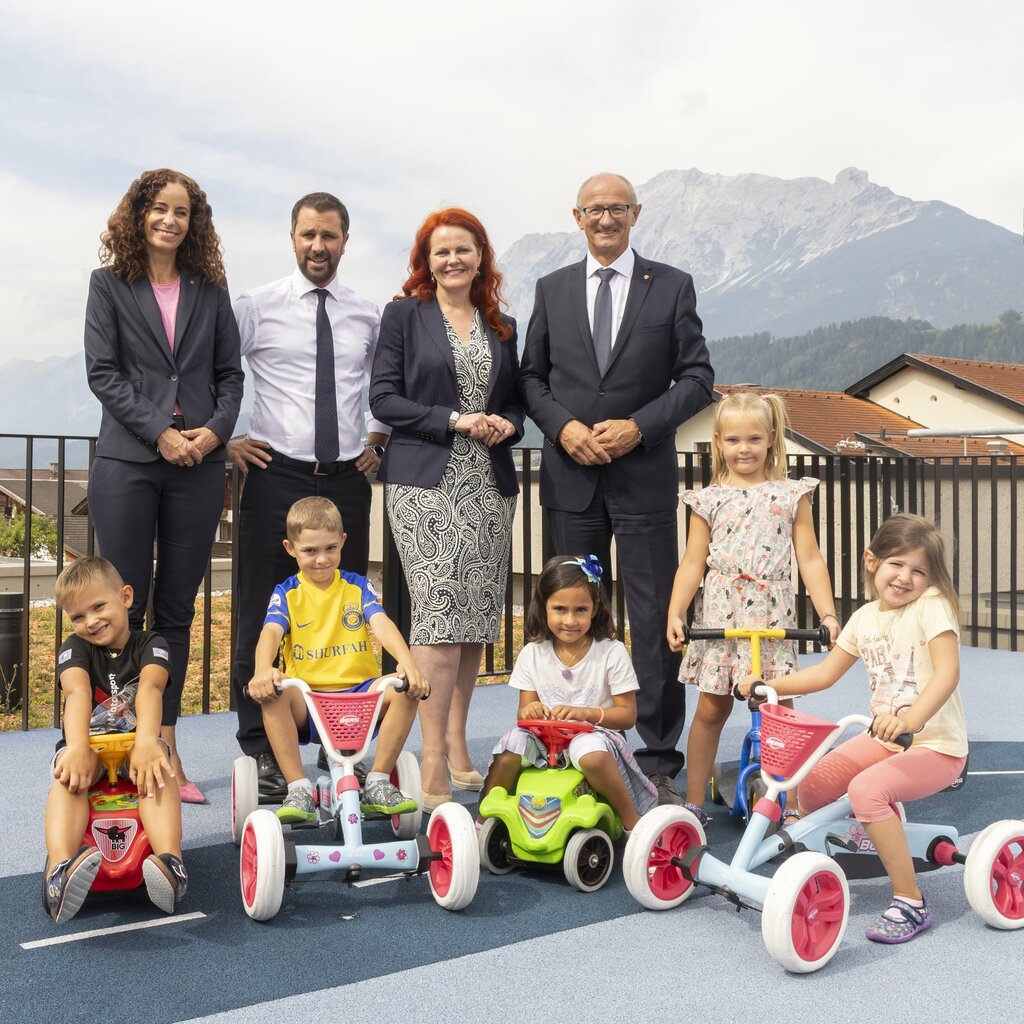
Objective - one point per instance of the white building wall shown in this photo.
(938, 403)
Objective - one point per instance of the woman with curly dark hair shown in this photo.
(162, 357)
(444, 379)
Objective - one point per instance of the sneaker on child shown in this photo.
(69, 882)
(900, 923)
(698, 812)
(381, 797)
(298, 807)
(166, 880)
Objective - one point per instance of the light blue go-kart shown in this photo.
(805, 901)
(446, 853)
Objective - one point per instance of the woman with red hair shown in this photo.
(445, 380)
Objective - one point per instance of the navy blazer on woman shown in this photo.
(414, 390)
(139, 380)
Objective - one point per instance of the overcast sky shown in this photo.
(502, 107)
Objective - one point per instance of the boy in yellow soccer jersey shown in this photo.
(321, 614)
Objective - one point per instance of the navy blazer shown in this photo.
(136, 377)
(414, 390)
(659, 375)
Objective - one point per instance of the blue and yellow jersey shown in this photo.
(326, 641)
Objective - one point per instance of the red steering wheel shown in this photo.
(556, 735)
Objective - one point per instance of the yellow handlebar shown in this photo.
(112, 748)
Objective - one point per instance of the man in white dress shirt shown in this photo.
(278, 324)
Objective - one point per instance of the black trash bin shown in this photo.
(12, 675)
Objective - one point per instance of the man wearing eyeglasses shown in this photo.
(614, 362)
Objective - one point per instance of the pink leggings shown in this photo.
(876, 778)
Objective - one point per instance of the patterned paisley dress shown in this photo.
(749, 580)
(454, 539)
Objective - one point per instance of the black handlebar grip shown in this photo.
(245, 692)
(904, 740)
(696, 633)
(820, 635)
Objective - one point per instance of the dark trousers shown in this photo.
(267, 494)
(648, 552)
(133, 504)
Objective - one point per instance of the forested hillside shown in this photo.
(834, 357)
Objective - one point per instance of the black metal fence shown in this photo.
(974, 500)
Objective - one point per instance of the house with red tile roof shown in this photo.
(958, 394)
(874, 416)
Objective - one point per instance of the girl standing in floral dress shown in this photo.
(742, 534)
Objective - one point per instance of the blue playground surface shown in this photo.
(529, 947)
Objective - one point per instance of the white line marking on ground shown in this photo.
(1016, 772)
(379, 880)
(79, 936)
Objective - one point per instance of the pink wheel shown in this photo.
(661, 834)
(994, 875)
(805, 912)
(440, 870)
(261, 865)
(455, 874)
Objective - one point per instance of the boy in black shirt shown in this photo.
(113, 678)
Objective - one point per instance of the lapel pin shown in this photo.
(647, 277)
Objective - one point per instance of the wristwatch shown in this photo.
(453, 419)
(377, 449)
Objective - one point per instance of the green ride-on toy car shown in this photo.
(553, 817)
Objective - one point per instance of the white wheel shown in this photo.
(994, 875)
(805, 912)
(495, 848)
(661, 834)
(245, 794)
(261, 865)
(588, 859)
(406, 777)
(453, 878)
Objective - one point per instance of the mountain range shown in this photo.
(786, 256)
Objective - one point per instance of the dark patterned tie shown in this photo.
(603, 319)
(325, 405)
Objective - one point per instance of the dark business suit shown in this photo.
(413, 389)
(134, 494)
(659, 375)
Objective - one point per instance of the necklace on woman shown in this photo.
(576, 652)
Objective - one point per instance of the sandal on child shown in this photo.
(698, 812)
(900, 923)
(790, 816)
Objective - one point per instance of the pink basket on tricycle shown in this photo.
(347, 717)
(788, 738)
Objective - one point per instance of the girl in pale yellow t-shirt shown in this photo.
(908, 639)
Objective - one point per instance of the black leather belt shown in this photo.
(312, 468)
